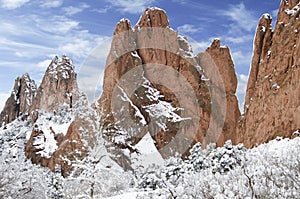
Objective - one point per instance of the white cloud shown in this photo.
(71, 10)
(242, 59)
(180, 1)
(75, 47)
(44, 64)
(90, 75)
(274, 12)
(199, 46)
(241, 89)
(3, 98)
(45, 38)
(131, 6)
(205, 19)
(242, 18)
(240, 39)
(12, 4)
(188, 28)
(102, 10)
(10, 45)
(57, 24)
(51, 4)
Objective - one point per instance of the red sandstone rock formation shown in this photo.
(272, 106)
(58, 86)
(145, 75)
(223, 77)
(20, 100)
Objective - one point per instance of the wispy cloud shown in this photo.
(44, 64)
(3, 98)
(241, 17)
(56, 24)
(101, 10)
(131, 6)
(180, 1)
(26, 48)
(12, 4)
(199, 46)
(205, 19)
(241, 89)
(240, 39)
(241, 58)
(274, 12)
(51, 4)
(72, 10)
(188, 29)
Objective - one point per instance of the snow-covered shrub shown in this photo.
(227, 157)
(198, 158)
(151, 178)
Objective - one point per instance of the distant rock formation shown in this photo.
(136, 100)
(20, 100)
(58, 86)
(272, 104)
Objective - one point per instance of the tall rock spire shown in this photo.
(141, 62)
(58, 86)
(20, 100)
(272, 101)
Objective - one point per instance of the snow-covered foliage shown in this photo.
(19, 178)
(50, 125)
(270, 170)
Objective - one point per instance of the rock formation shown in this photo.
(59, 89)
(272, 105)
(153, 83)
(71, 146)
(20, 101)
(58, 86)
(221, 57)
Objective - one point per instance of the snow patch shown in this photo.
(148, 153)
(137, 111)
(293, 11)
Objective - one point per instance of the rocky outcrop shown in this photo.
(58, 90)
(154, 83)
(20, 100)
(262, 44)
(224, 78)
(70, 149)
(49, 146)
(272, 106)
(58, 86)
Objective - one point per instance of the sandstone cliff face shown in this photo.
(58, 86)
(63, 138)
(153, 83)
(20, 101)
(272, 105)
(226, 83)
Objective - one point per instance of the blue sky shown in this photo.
(34, 31)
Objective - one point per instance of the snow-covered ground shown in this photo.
(270, 170)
